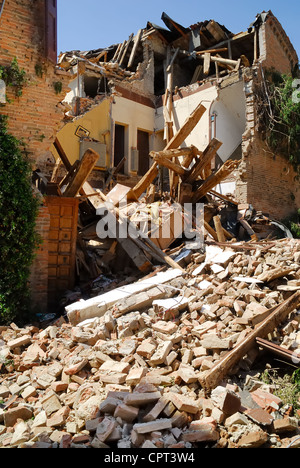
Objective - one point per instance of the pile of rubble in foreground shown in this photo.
(145, 372)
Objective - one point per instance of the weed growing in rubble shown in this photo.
(286, 387)
(18, 240)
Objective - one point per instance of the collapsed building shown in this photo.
(187, 90)
(157, 320)
(129, 99)
(192, 90)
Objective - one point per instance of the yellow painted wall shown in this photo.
(97, 121)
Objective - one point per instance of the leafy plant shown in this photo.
(13, 76)
(18, 239)
(58, 87)
(293, 223)
(279, 116)
(287, 387)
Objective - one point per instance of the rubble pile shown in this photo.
(140, 369)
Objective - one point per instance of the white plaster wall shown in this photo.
(229, 104)
(230, 108)
(76, 90)
(183, 108)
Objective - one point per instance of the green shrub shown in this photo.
(13, 76)
(279, 116)
(18, 240)
(293, 223)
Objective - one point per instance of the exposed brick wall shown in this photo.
(272, 186)
(276, 48)
(265, 179)
(39, 270)
(36, 116)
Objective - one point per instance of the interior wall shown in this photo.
(134, 116)
(96, 121)
(230, 109)
(184, 105)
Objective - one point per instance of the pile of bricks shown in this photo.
(133, 379)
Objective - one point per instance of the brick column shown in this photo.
(39, 269)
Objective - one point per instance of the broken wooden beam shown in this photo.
(210, 231)
(174, 143)
(215, 375)
(168, 163)
(140, 240)
(219, 229)
(215, 179)
(207, 156)
(61, 152)
(221, 60)
(82, 173)
(137, 41)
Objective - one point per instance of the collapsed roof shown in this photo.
(187, 46)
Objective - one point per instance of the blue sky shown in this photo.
(93, 24)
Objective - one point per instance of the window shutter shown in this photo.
(51, 30)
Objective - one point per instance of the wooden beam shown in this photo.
(165, 162)
(206, 67)
(221, 60)
(137, 40)
(126, 49)
(174, 143)
(213, 180)
(57, 145)
(172, 153)
(210, 231)
(85, 167)
(187, 127)
(142, 241)
(212, 51)
(277, 315)
(207, 156)
(219, 229)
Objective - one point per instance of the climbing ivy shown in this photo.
(18, 240)
(279, 116)
(13, 76)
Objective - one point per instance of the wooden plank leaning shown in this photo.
(174, 143)
(277, 315)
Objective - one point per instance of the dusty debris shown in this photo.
(130, 377)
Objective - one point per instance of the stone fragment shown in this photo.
(254, 439)
(18, 342)
(51, 404)
(162, 351)
(184, 403)
(59, 418)
(260, 416)
(141, 399)
(285, 425)
(105, 428)
(13, 414)
(158, 425)
(204, 433)
(226, 400)
(236, 418)
(126, 413)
